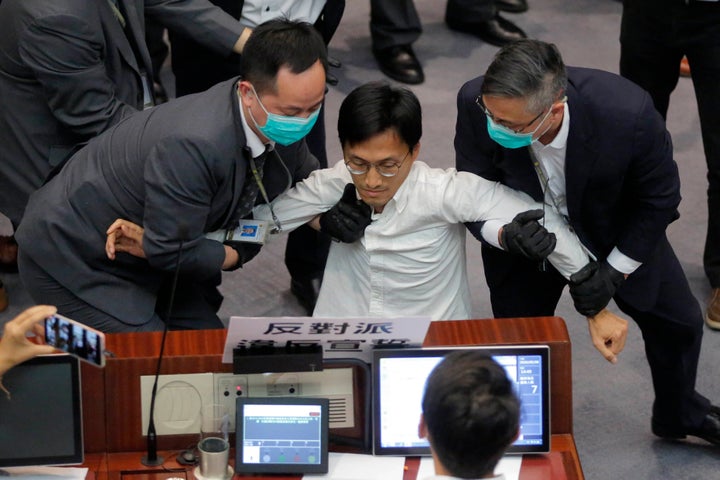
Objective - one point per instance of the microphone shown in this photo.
(151, 459)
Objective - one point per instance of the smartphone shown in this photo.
(76, 339)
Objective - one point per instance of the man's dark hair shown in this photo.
(471, 412)
(279, 43)
(529, 69)
(376, 107)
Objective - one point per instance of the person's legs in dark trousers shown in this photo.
(672, 329)
(470, 11)
(706, 79)
(196, 67)
(481, 19)
(653, 41)
(648, 56)
(704, 59)
(45, 290)
(518, 287)
(394, 27)
(194, 303)
(393, 23)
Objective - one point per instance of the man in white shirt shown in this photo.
(403, 241)
(411, 258)
(471, 415)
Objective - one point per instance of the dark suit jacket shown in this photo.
(197, 68)
(622, 183)
(68, 72)
(178, 170)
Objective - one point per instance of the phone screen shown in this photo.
(76, 339)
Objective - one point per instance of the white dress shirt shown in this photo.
(551, 159)
(255, 12)
(411, 260)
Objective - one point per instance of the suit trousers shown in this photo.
(396, 22)
(671, 323)
(194, 305)
(654, 37)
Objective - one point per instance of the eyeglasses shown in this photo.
(386, 168)
(479, 103)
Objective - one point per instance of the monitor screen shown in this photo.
(281, 435)
(399, 382)
(41, 423)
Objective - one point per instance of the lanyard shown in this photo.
(263, 192)
(545, 187)
(117, 13)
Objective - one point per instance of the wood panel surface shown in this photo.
(562, 463)
(111, 396)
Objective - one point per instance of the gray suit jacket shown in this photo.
(68, 71)
(178, 170)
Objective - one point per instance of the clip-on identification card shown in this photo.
(250, 231)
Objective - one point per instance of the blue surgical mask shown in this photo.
(284, 129)
(510, 139)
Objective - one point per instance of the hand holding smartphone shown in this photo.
(76, 339)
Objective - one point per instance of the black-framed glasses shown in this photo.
(479, 102)
(386, 168)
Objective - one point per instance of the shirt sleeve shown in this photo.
(471, 198)
(313, 196)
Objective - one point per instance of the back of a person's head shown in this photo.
(527, 68)
(471, 413)
(376, 107)
(280, 43)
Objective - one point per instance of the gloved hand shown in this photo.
(593, 286)
(525, 236)
(246, 251)
(347, 219)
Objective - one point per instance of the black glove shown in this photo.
(525, 236)
(593, 286)
(246, 252)
(346, 221)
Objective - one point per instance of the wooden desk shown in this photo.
(561, 463)
(112, 420)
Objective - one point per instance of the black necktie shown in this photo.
(252, 185)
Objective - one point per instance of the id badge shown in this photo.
(250, 231)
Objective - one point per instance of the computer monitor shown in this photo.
(41, 423)
(399, 377)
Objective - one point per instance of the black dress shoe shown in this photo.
(709, 430)
(400, 63)
(496, 31)
(511, 6)
(306, 291)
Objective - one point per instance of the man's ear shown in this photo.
(422, 427)
(415, 151)
(245, 91)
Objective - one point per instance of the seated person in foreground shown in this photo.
(471, 415)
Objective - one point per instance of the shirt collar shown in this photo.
(402, 196)
(253, 142)
(560, 140)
